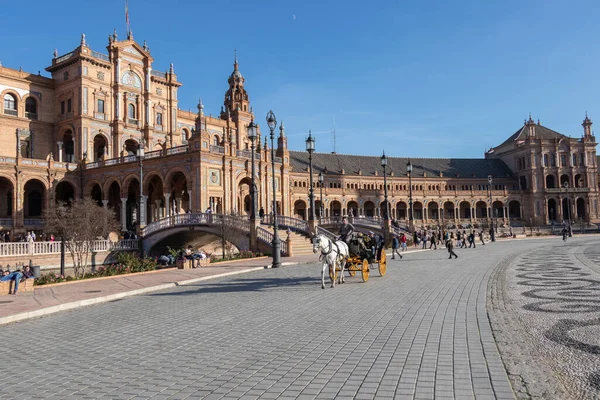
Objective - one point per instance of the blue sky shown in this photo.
(418, 79)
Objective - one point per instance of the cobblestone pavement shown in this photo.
(545, 311)
(421, 332)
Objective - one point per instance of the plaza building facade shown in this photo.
(80, 132)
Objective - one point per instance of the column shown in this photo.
(123, 213)
(168, 204)
(178, 204)
(190, 201)
(156, 210)
(60, 151)
(105, 203)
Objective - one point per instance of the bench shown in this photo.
(188, 264)
(7, 286)
(183, 263)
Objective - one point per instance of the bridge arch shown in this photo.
(369, 209)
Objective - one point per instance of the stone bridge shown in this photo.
(236, 230)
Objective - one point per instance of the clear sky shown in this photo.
(418, 78)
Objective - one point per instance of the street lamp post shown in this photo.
(492, 233)
(409, 169)
(321, 208)
(252, 136)
(310, 148)
(276, 244)
(142, 202)
(386, 212)
(566, 185)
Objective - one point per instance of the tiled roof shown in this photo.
(367, 165)
(541, 132)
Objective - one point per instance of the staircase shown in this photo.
(301, 245)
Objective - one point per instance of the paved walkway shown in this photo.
(421, 332)
(48, 299)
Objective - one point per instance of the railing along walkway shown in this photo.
(192, 219)
(42, 248)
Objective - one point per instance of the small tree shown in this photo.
(80, 223)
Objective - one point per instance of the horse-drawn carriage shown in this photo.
(364, 252)
(357, 256)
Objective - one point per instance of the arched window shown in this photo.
(31, 108)
(185, 135)
(216, 140)
(10, 104)
(546, 160)
(131, 111)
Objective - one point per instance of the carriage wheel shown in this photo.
(382, 264)
(352, 268)
(365, 270)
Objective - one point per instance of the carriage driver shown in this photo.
(346, 230)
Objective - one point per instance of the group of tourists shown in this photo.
(428, 239)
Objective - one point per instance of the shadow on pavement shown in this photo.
(245, 285)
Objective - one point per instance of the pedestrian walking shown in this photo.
(464, 240)
(425, 239)
(450, 247)
(403, 242)
(415, 239)
(481, 237)
(395, 247)
(472, 240)
(432, 242)
(565, 233)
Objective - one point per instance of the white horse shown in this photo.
(332, 254)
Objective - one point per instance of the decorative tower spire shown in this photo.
(55, 53)
(530, 124)
(171, 69)
(115, 35)
(587, 126)
(236, 97)
(281, 130)
(83, 40)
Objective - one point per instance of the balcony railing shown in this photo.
(6, 222)
(158, 128)
(39, 248)
(217, 149)
(31, 115)
(100, 56)
(64, 57)
(177, 150)
(38, 222)
(66, 115)
(159, 74)
(132, 121)
(571, 190)
(10, 112)
(101, 116)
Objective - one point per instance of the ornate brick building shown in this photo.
(78, 133)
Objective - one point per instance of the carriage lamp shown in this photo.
(321, 207)
(252, 136)
(310, 147)
(276, 243)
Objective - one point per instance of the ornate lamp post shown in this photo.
(142, 203)
(252, 136)
(492, 233)
(384, 161)
(566, 185)
(310, 147)
(321, 206)
(409, 169)
(272, 123)
(386, 212)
